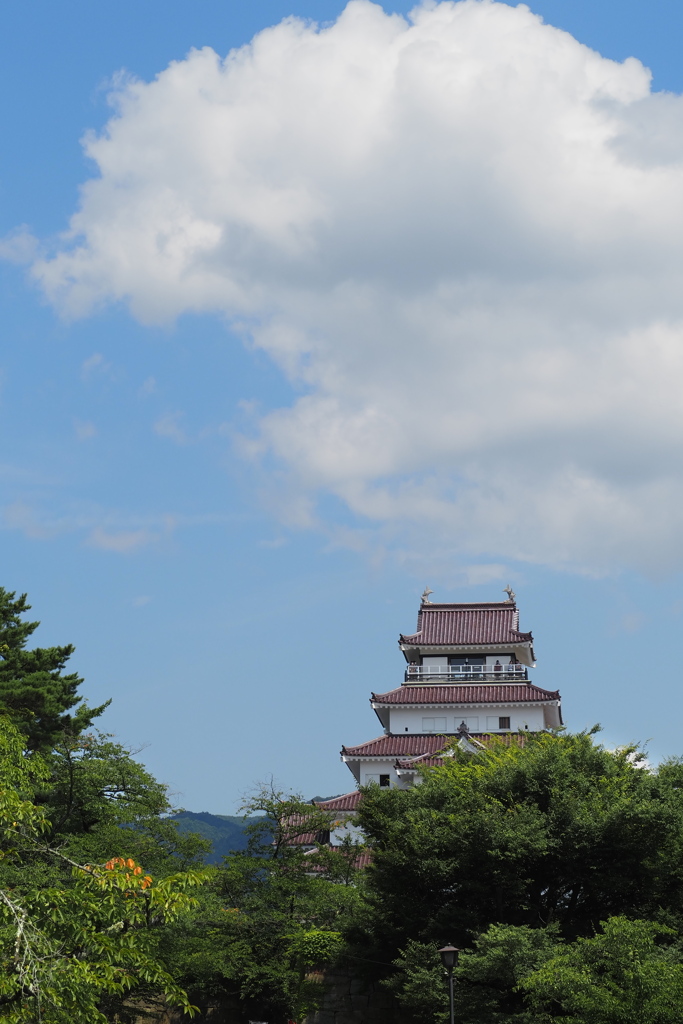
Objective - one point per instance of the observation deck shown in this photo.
(466, 673)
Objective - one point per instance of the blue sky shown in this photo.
(236, 592)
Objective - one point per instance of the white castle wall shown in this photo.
(371, 770)
(479, 718)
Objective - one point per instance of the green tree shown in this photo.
(65, 947)
(508, 852)
(630, 972)
(101, 802)
(271, 918)
(36, 693)
(487, 977)
(524, 836)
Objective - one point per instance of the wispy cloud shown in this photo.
(632, 622)
(19, 246)
(120, 541)
(95, 365)
(99, 528)
(169, 426)
(84, 429)
(20, 516)
(276, 542)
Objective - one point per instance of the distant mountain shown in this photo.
(224, 831)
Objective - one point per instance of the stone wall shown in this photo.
(351, 1000)
(345, 999)
(224, 1012)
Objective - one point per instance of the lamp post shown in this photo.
(449, 958)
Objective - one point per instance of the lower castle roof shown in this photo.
(461, 693)
(414, 744)
(347, 802)
(473, 739)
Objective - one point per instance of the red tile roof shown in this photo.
(420, 744)
(360, 860)
(450, 625)
(304, 839)
(428, 761)
(434, 761)
(461, 693)
(347, 802)
(403, 745)
(295, 824)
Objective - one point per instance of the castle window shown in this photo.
(433, 725)
(495, 724)
(383, 781)
(467, 668)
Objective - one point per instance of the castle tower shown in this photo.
(466, 679)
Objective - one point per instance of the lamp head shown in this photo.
(449, 957)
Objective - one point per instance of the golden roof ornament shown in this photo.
(425, 595)
(510, 593)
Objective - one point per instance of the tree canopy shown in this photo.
(275, 914)
(629, 971)
(35, 692)
(72, 934)
(546, 862)
(526, 835)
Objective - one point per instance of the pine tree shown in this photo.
(35, 692)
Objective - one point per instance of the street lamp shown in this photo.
(449, 958)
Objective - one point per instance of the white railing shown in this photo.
(464, 673)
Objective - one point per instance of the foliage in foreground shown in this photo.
(512, 852)
(526, 835)
(629, 971)
(65, 945)
(270, 920)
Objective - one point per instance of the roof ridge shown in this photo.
(472, 692)
(464, 605)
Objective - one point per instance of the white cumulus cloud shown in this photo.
(460, 234)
